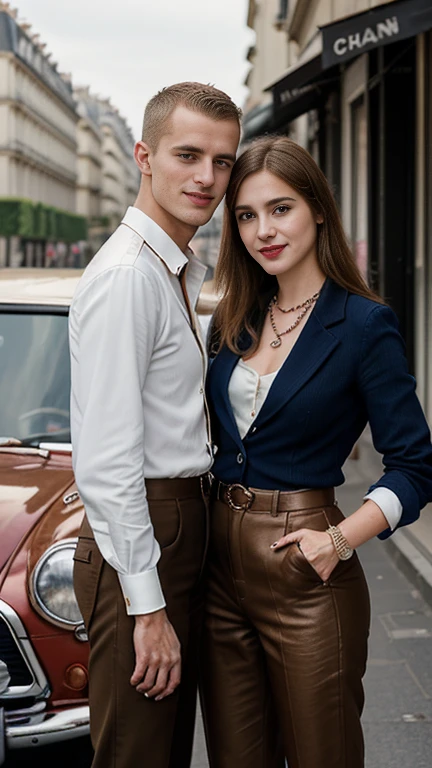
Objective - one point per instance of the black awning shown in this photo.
(257, 121)
(299, 90)
(302, 100)
(294, 83)
(344, 40)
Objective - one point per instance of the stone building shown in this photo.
(38, 149)
(108, 177)
(67, 172)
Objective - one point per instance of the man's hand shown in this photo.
(157, 654)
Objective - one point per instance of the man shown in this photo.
(141, 438)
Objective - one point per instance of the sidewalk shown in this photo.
(397, 718)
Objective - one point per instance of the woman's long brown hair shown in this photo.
(246, 288)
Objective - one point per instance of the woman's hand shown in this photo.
(316, 546)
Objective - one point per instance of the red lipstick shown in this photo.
(272, 251)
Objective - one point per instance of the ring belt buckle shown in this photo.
(246, 504)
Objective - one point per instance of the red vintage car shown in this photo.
(43, 641)
(43, 648)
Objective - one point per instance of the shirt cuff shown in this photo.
(388, 503)
(142, 592)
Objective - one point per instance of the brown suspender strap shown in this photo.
(192, 321)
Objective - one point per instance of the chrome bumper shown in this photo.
(31, 726)
(40, 728)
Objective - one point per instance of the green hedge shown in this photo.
(99, 221)
(36, 221)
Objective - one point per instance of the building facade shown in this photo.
(37, 122)
(38, 149)
(89, 170)
(268, 57)
(119, 172)
(108, 178)
(89, 166)
(67, 171)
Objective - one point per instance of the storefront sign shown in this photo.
(382, 25)
(295, 83)
(286, 95)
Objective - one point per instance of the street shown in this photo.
(398, 713)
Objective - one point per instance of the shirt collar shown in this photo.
(157, 239)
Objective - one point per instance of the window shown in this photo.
(282, 14)
(34, 377)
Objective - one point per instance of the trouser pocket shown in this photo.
(87, 572)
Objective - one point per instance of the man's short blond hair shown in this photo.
(207, 99)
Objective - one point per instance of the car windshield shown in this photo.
(34, 377)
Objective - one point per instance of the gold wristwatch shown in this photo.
(343, 549)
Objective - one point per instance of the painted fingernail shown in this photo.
(158, 698)
(274, 545)
(146, 695)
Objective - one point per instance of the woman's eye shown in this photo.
(282, 209)
(245, 216)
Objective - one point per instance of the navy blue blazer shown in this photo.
(347, 367)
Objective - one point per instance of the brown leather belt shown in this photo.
(240, 498)
(176, 487)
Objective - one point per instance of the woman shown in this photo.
(306, 355)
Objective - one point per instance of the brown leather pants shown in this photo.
(284, 653)
(127, 729)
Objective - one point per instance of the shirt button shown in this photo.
(240, 458)
(201, 390)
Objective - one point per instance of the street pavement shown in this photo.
(397, 718)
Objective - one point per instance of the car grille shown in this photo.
(11, 655)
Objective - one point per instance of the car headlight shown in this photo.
(52, 584)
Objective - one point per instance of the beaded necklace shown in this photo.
(304, 308)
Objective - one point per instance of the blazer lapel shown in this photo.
(314, 345)
(220, 372)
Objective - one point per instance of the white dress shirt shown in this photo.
(137, 401)
(247, 391)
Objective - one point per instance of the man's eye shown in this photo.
(185, 156)
(223, 163)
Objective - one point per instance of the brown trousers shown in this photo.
(127, 729)
(284, 653)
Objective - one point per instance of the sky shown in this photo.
(129, 49)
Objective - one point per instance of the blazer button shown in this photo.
(240, 458)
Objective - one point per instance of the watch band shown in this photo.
(343, 549)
